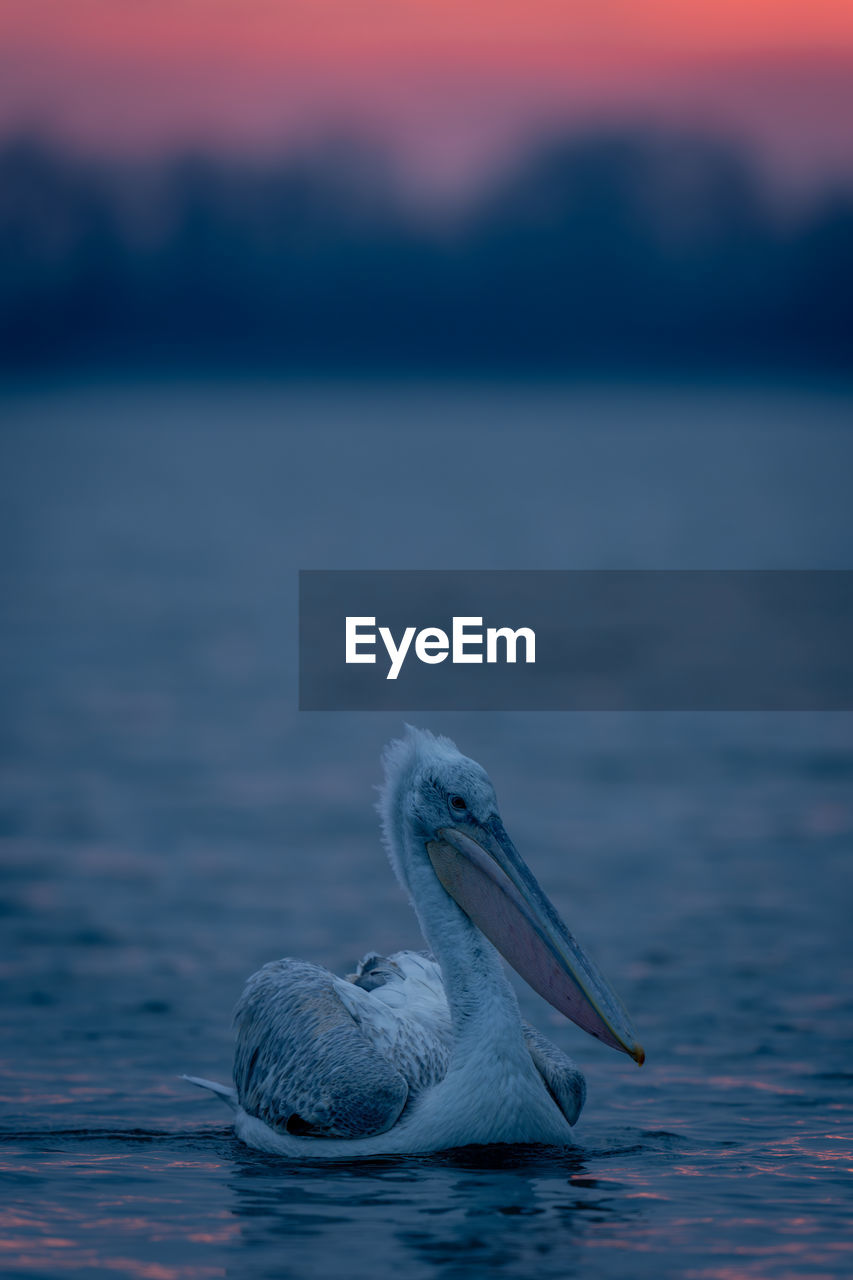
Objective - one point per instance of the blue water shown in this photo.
(169, 822)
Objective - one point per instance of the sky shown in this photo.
(451, 85)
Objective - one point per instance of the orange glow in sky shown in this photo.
(448, 80)
(417, 30)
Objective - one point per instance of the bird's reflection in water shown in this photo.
(481, 1208)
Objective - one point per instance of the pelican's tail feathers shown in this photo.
(223, 1091)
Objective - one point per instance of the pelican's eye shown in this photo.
(457, 802)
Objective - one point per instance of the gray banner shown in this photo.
(584, 641)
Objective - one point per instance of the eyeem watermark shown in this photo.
(544, 640)
(432, 645)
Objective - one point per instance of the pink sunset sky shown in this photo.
(452, 85)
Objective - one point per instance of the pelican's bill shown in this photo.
(487, 877)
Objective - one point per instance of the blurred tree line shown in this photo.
(612, 253)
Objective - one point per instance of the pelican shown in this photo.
(420, 1052)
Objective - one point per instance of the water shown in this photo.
(169, 822)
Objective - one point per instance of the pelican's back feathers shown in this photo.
(302, 1063)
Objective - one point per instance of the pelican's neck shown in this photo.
(483, 1006)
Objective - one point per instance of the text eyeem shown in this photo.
(431, 645)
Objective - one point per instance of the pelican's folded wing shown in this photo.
(303, 1065)
(563, 1078)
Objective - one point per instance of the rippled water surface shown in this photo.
(169, 822)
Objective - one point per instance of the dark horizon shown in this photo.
(625, 251)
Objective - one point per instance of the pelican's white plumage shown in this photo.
(412, 1053)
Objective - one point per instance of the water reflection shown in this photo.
(198, 1205)
(481, 1209)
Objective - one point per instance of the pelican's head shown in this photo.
(440, 807)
